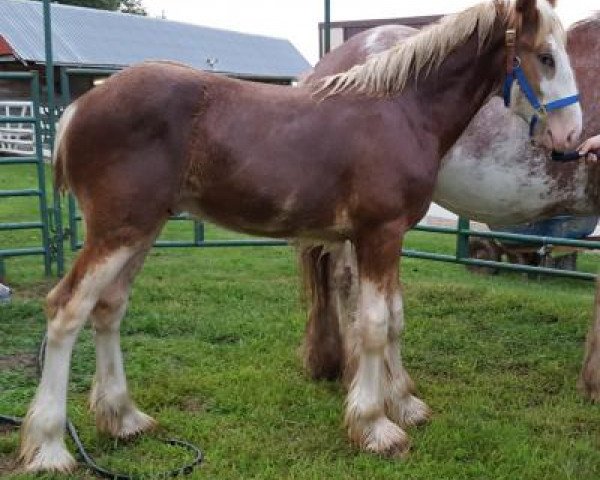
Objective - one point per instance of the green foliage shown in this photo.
(99, 4)
(125, 6)
(133, 6)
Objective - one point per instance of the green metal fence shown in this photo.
(39, 191)
(463, 233)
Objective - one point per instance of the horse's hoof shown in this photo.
(385, 438)
(589, 386)
(136, 422)
(123, 422)
(47, 457)
(409, 411)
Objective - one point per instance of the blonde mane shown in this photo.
(388, 72)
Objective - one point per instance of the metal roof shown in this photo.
(88, 37)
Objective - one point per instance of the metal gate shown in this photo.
(19, 129)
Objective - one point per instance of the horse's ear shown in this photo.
(529, 17)
(526, 8)
(552, 3)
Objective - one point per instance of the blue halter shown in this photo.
(541, 109)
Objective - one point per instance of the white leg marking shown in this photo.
(365, 415)
(116, 414)
(42, 443)
(400, 405)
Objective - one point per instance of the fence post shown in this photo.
(72, 234)
(198, 232)
(462, 239)
(2, 270)
(56, 211)
(327, 28)
(41, 173)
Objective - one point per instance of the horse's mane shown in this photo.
(387, 73)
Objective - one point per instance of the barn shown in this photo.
(89, 38)
(94, 41)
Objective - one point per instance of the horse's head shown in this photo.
(540, 85)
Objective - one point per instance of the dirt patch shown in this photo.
(8, 465)
(34, 291)
(17, 360)
(194, 405)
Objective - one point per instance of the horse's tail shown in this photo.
(323, 349)
(59, 157)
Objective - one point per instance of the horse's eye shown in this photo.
(547, 59)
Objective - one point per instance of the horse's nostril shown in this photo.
(572, 137)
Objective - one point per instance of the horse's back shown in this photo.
(127, 141)
(138, 104)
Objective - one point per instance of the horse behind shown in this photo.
(330, 164)
(493, 174)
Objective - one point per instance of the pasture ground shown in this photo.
(211, 346)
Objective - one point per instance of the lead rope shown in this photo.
(89, 460)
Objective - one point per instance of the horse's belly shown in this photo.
(257, 215)
(496, 190)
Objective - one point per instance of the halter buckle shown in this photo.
(511, 37)
(511, 46)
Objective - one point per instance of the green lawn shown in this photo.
(211, 346)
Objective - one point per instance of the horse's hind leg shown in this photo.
(589, 380)
(323, 351)
(68, 306)
(116, 414)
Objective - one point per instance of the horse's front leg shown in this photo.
(589, 380)
(401, 405)
(366, 419)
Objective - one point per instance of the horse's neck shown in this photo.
(451, 96)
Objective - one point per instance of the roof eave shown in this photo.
(243, 76)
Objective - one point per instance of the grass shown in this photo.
(211, 341)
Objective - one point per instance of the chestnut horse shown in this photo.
(493, 174)
(330, 164)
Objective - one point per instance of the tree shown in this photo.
(99, 4)
(133, 6)
(126, 6)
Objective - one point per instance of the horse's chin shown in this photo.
(542, 144)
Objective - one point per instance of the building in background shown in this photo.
(86, 38)
(342, 31)
(89, 38)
